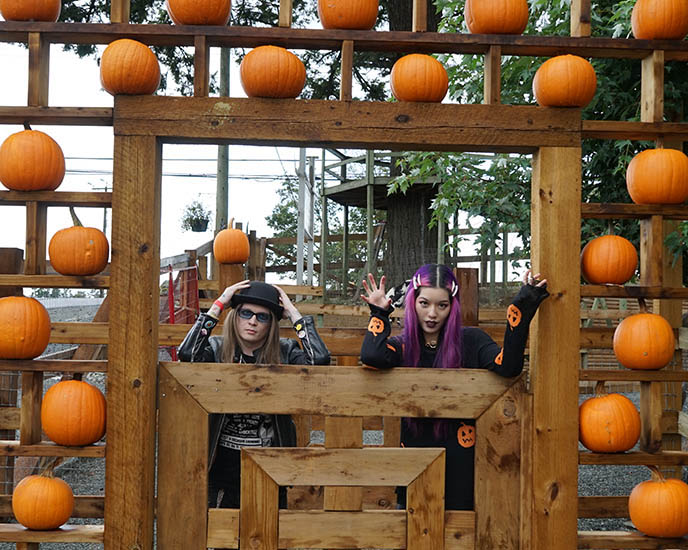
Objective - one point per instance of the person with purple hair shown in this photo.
(433, 336)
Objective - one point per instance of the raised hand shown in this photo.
(290, 310)
(375, 295)
(533, 280)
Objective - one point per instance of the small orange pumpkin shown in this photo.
(496, 16)
(608, 423)
(659, 507)
(644, 341)
(465, 435)
(42, 502)
(658, 176)
(660, 19)
(24, 327)
(73, 413)
(78, 250)
(348, 14)
(30, 10)
(191, 12)
(609, 259)
(31, 160)
(231, 246)
(271, 71)
(129, 67)
(419, 77)
(565, 81)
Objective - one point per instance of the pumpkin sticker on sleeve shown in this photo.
(466, 435)
(513, 316)
(498, 360)
(376, 326)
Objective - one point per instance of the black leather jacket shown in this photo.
(199, 347)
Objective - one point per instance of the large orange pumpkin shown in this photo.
(271, 71)
(659, 507)
(73, 413)
(192, 12)
(78, 250)
(608, 259)
(24, 327)
(30, 10)
(644, 341)
(31, 161)
(129, 67)
(348, 14)
(496, 16)
(42, 502)
(231, 246)
(658, 176)
(565, 81)
(419, 77)
(608, 423)
(660, 19)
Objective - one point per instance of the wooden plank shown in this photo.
(57, 198)
(39, 70)
(83, 116)
(419, 21)
(46, 448)
(635, 458)
(201, 66)
(467, 277)
(601, 129)
(425, 507)
(9, 418)
(12, 532)
(652, 88)
(36, 221)
(259, 515)
(651, 251)
(344, 391)
(624, 539)
(651, 406)
(580, 18)
(285, 13)
(526, 504)
(632, 291)
(400, 125)
(346, 71)
(61, 365)
(85, 506)
(55, 281)
(633, 211)
(492, 75)
(343, 433)
(628, 375)
(32, 396)
(182, 484)
(133, 351)
(603, 507)
(120, 11)
(375, 467)
(556, 185)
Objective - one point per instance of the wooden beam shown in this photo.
(634, 458)
(343, 433)
(16, 448)
(55, 281)
(85, 506)
(627, 375)
(81, 116)
(580, 18)
(12, 532)
(419, 22)
(39, 70)
(57, 198)
(652, 88)
(36, 222)
(201, 66)
(651, 416)
(633, 211)
(120, 11)
(346, 71)
(425, 507)
(285, 13)
(624, 539)
(492, 75)
(259, 515)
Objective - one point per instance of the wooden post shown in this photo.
(343, 433)
(119, 11)
(652, 88)
(39, 70)
(347, 67)
(201, 66)
(420, 16)
(580, 18)
(36, 221)
(370, 211)
(324, 231)
(468, 294)
(554, 345)
(492, 85)
(285, 11)
(133, 342)
(651, 416)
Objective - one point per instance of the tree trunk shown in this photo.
(400, 14)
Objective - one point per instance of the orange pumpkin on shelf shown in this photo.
(271, 71)
(207, 12)
(129, 67)
(658, 176)
(30, 10)
(73, 413)
(644, 341)
(660, 19)
(42, 502)
(231, 246)
(609, 259)
(348, 14)
(419, 77)
(24, 327)
(31, 160)
(496, 16)
(565, 81)
(78, 250)
(608, 423)
(659, 507)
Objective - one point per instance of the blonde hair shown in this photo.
(268, 353)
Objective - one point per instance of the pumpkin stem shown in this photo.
(47, 464)
(27, 126)
(610, 227)
(230, 225)
(75, 219)
(656, 474)
(642, 304)
(599, 388)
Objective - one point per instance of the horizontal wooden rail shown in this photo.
(635, 458)
(619, 130)
(53, 365)
(55, 281)
(56, 116)
(629, 375)
(633, 211)
(632, 291)
(57, 198)
(12, 532)
(611, 540)
(14, 448)
(603, 507)
(9, 418)
(85, 506)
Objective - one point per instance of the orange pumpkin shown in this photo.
(231, 246)
(608, 423)
(659, 507)
(348, 14)
(31, 161)
(129, 67)
(271, 71)
(608, 259)
(644, 341)
(78, 250)
(496, 16)
(565, 81)
(30, 10)
(191, 12)
(24, 327)
(73, 413)
(660, 19)
(42, 502)
(658, 176)
(419, 77)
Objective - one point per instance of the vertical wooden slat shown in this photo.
(492, 85)
(526, 531)
(468, 295)
(650, 416)
(39, 70)
(580, 18)
(652, 88)
(347, 67)
(420, 16)
(259, 515)
(425, 508)
(201, 66)
(182, 485)
(30, 413)
(36, 222)
(554, 352)
(651, 250)
(285, 13)
(120, 11)
(343, 433)
(133, 342)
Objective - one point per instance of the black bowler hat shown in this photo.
(259, 293)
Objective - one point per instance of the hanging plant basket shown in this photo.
(199, 226)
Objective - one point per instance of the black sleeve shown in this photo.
(195, 346)
(312, 351)
(378, 349)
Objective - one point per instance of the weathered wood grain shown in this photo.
(259, 515)
(425, 507)
(12, 532)
(663, 458)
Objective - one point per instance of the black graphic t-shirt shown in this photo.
(247, 430)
